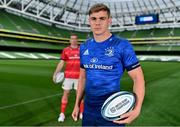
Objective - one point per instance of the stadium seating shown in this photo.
(24, 26)
(17, 23)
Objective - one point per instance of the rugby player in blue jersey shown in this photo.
(103, 60)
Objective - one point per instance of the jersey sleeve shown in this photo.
(129, 58)
(81, 55)
(63, 55)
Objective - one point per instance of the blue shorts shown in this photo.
(92, 113)
(93, 120)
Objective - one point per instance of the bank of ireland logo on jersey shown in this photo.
(86, 52)
(109, 51)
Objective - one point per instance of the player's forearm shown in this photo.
(81, 86)
(80, 92)
(59, 67)
(139, 89)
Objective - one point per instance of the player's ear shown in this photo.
(110, 20)
(89, 21)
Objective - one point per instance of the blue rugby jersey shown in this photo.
(105, 63)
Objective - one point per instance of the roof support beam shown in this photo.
(1, 2)
(62, 11)
(7, 4)
(43, 9)
(28, 5)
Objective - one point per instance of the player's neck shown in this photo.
(102, 37)
(74, 46)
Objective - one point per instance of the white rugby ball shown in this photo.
(59, 77)
(118, 104)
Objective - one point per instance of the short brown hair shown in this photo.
(99, 7)
(73, 34)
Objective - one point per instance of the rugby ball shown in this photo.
(59, 77)
(118, 104)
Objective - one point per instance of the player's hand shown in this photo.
(75, 113)
(127, 118)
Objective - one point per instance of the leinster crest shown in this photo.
(109, 51)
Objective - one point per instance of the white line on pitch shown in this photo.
(30, 101)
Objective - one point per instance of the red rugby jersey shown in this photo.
(71, 57)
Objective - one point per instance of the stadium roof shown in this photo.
(72, 14)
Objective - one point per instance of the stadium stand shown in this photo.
(20, 32)
(18, 23)
(17, 31)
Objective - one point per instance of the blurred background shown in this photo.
(34, 32)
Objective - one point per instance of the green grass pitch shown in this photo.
(29, 97)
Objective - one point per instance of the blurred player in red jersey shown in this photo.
(70, 58)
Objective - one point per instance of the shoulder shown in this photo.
(121, 43)
(66, 48)
(86, 43)
(84, 47)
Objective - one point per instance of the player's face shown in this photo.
(99, 22)
(73, 40)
